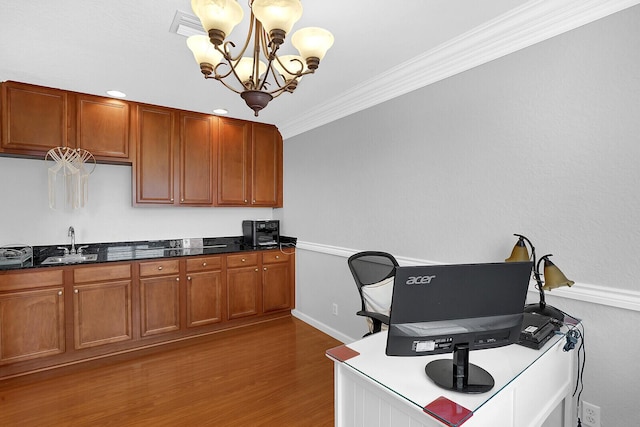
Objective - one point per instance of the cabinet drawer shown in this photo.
(242, 260)
(273, 257)
(204, 263)
(157, 268)
(32, 279)
(102, 273)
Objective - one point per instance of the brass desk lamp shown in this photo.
(553, 277)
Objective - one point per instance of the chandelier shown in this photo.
(263, 74)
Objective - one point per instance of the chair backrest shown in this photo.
(370, 267)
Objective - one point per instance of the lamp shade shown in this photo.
(519, 252)
(293, 64)
(553, 277)
(277, 14)
(244, 69)
(203, 51)
(312, 42)
(220, 15)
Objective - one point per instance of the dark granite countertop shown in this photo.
(145, 249)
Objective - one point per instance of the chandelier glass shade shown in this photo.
(256, 71)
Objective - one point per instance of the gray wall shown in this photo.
(25, 216)
(544, 142)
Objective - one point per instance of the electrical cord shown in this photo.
(290, 245)
(573, 336)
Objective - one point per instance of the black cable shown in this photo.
(572, 336)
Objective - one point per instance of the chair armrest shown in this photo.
(378, 316)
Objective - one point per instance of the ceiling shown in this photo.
(382, 49)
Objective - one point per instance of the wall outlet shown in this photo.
(590, 415)
(334, 309)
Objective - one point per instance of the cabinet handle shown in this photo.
(75, 291)
(160, 267)
(257, 269)
(264, 268)
(245, 200)
(177, 279)
(204, 264)
(243, 260)
(59, 293)
(188, 277)
(171, 200)
(277, 256)
(181, 200)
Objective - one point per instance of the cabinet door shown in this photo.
(101, 313)
(242, 292)
(34, 118)
(266, 167)
(102, 127)
(233, 163)
(278, 287)
(160, 305)
(197, 133)
(31, 324)
(155, 145)
(204, 298)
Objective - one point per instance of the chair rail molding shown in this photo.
(523, 26)
(596, 294)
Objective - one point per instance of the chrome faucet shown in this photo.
(72, 234)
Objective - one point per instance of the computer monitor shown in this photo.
(455, 309)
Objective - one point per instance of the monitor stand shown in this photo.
(459, 375)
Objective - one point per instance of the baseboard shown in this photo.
(323, 327)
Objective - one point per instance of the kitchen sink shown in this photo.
(70, 259)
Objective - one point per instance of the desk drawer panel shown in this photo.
(159, 268)
(30, 279)
(204, 263)
(242, 260)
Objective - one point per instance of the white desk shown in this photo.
(372, 389)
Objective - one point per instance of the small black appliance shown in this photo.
(261, 232)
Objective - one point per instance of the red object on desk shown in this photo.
(342, 353)
(448, 411)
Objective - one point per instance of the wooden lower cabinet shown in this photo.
(159, 297)
(101, 305)
(243, 285)
(259, 283)
(277, 281)
(59, 316)
(205, 291)
(31, 324)
(31, 315)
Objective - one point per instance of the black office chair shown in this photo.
(373, 272)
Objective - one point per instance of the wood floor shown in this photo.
(272, 374)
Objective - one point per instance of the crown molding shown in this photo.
(531, 23)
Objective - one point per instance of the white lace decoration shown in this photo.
(73, 188)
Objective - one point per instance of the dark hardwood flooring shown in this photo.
(271, 374)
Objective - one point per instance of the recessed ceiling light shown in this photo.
(220, 111)
(116, 93)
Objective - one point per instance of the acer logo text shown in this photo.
(419, 280)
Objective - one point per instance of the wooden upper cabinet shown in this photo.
(233, 162)
(198, 133)
(249, 164)
(102, 127)
(266, 166)
(174, 156)
(153, 168)
(34, 119)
